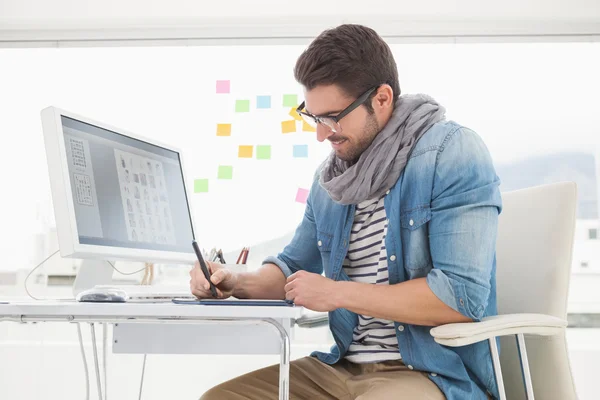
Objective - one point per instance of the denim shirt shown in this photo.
(443, 218)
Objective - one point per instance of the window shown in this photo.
(532, 103)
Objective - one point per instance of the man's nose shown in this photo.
(323, 132)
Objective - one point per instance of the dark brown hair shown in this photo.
(353, 57)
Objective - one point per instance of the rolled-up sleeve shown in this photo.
(302, 253)
(465, 205)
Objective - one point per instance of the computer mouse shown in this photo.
(100, 295)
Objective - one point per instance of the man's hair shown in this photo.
(353, 57)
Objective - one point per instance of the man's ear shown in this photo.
(384, 98)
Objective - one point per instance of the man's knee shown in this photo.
(217, 393)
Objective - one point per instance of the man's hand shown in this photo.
(222, 278)
(312, 291)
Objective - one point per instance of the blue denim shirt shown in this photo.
(443, 217)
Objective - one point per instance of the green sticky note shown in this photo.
(201, 186)
(225, 172)
(242, 106)
(290, 100)
(263, 152)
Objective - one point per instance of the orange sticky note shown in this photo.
(223, 129)
(288, 126)
(307, 128)
(295, 115)
(245, 151)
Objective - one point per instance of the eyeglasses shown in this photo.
(332, 122)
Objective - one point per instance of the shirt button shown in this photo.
(320, 243)
(411, 222)
(410, 367)
(462, 302)
(433, 374)
(388, 192)
(401, 328)
(393, 258)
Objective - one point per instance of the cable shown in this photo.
(104, 338)
(31, 272)
(52, 255)
(125, 273)
(85, 367)
(104, 356)
(142, 380)
(98, 382)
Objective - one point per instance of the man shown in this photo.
(402, 220)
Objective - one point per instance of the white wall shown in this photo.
(71, 20)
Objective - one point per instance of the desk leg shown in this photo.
(284, 364)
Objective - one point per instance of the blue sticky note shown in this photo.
(301, 151)
(263, 101)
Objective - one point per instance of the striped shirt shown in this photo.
(374, 339)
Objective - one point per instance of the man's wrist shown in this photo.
(341, 293)
(236, 280)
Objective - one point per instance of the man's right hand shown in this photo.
(224, 279)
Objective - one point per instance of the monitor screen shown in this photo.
(126, 192)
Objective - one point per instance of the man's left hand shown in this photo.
(312, 291)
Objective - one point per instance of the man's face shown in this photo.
(359, 127)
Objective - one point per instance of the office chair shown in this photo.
(534, 254)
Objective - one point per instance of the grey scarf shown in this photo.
(381, 164)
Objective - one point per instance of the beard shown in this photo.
(354, 149)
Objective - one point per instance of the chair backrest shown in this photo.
(534, 256)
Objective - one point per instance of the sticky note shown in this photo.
(263, 152)
(307, 128)
(288, 126)
(242, 106)
(295, 115)
(201, 186)
(223, 129)
(301, 196)
(301, 151)
(290, 100)
(225, 172)
(223, 86)
(263, 101)
(245, 151)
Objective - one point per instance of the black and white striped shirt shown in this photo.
(374, 339)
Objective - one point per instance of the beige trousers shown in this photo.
(311, 379)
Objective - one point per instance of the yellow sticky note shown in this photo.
(307, 128)
(223, 129)
(245, 151)
(288, 126)
(295, 115)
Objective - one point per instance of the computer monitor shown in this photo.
(116, 195)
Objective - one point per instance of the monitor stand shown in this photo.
(92, 273)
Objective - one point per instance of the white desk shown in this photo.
(166, 319)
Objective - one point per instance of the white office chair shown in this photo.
(534, 252)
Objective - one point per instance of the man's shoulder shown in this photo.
(436, 137)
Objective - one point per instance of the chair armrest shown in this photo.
(462, 334)
(313, 319)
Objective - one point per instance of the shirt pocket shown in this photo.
(415, 238)
(324, 242)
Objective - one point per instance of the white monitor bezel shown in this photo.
(62, 198)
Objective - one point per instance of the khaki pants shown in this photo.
(311, 379)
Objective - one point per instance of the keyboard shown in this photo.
(152, 293)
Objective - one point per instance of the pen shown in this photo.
(221, 258)
(204, 268)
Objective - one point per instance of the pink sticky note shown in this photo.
(223, 86)
(302, 195)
